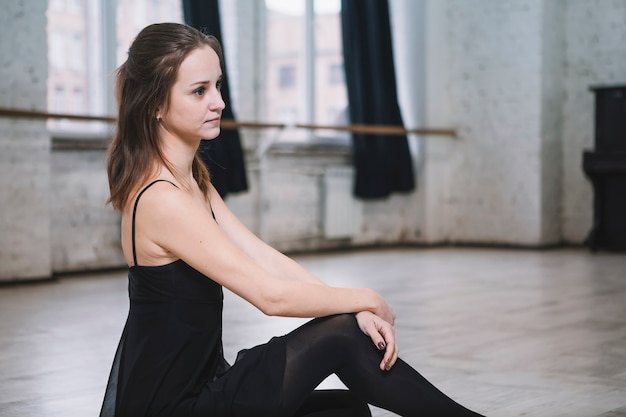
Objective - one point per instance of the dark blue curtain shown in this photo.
(222, 155)
(382, 163)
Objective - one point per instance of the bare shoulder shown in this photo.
(156, 190)
(216, 201)
(213, 194)
(157, 209)
(162, 199)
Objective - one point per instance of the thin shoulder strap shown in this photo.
(135, 212)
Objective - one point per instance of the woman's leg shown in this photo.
(333, 403)
(336, 345)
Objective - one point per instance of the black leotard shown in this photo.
(170, 361)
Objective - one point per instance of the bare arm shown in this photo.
(273, 261)
(184, 228)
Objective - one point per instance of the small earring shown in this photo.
(158, 118)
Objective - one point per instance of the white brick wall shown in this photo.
(552, 93)
(24, 144)
(495, 88)
(85, 232)
(595, 54)
(513, 76)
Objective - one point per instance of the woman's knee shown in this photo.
(333, 403)
(342, 323)
(344, 327)
(336, 333)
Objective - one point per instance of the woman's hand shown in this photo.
(382, 334)
(383, 310)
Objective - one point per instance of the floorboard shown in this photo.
(505, 332)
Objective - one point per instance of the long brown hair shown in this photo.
(142, 85)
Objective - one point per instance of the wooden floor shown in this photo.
(504, 332)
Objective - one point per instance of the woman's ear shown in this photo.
(160, 112)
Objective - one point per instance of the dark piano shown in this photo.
(605, 166)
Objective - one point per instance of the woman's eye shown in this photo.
(218, 85)
(199, 91)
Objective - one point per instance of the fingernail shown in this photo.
(381, 345)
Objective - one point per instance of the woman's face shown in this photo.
(195, 102)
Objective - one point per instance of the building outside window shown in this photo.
(56, 48)
(286, 77)
(76, 61)
(336, 74)
(303, 60)
(75, 6)
(80, 70)
(56, 5)
(304, 48)
(59, 99)
(78, 105)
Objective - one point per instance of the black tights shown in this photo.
(336, 345)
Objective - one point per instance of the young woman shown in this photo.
(183, 245)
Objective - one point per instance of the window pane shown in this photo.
(285, 43)
(76, 53)
(67, 59)
(134, 15)
(330, 90)
(287, 77)
(291, 76)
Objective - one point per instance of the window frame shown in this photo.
(287, 77)
(99, 43)
(312, 73)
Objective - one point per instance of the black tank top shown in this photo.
(172, 341)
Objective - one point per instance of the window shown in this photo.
(301, 74)
(82, 54)
(75, 6)
(56, 49)
(304, 52)
(287, 115)
(287, 76)
(134, 15)
(59, 99)
(78, 105)
(328, 53)
(337, 115)
(56, 4)
(76, 53)
(336, 74)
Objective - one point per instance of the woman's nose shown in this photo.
(217, 102)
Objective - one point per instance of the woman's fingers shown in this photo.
(391, 348)
(391, 353)
(382, 335)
